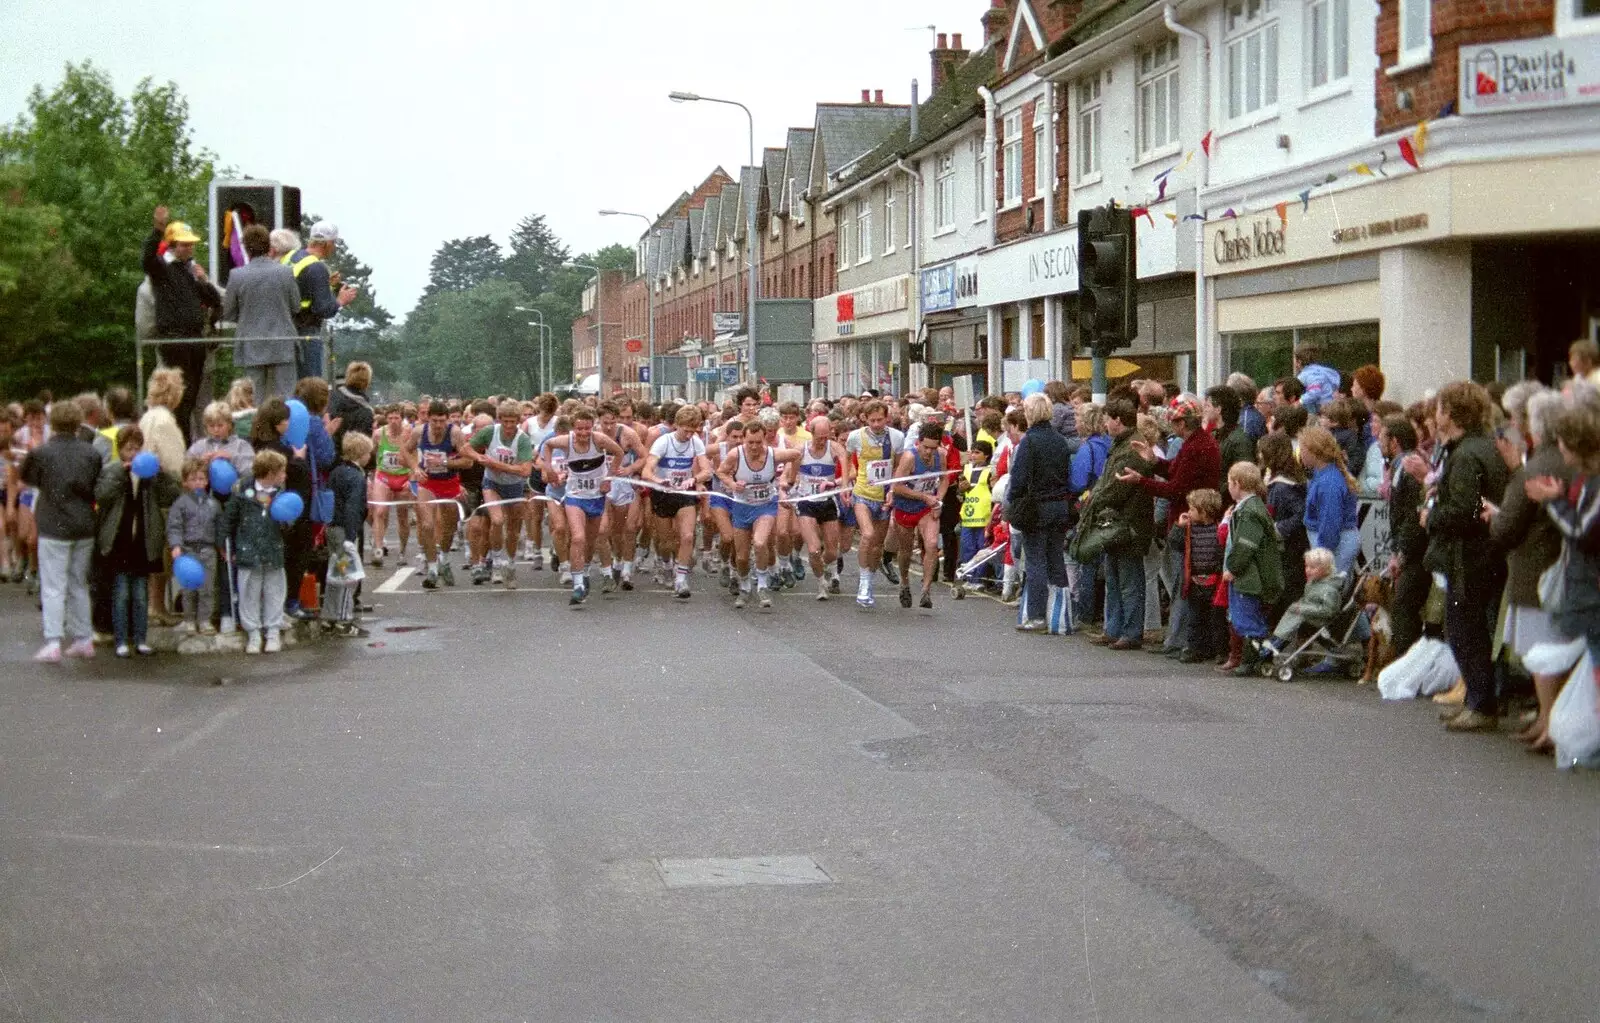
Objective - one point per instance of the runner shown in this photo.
(476, 524)
(678, 460)
(436, 453)
(507, 459)
(585, 478)
(390, 482)
(750, 473)
(552, 468)
(817, 471)
(870, 453)
(916, 509)
(790, 436)
(720, 509)
(540, 427)
(620, 530)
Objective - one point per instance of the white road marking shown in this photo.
(392, 584)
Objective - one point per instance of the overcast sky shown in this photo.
(408, 123)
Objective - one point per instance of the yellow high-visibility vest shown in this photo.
(978, 503)
(298, 265)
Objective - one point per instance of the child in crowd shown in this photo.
(349, 485)
(130, 539)
(1252, 566)
(220, 441)
(977, 506)
(1207, 627)
(192, 530)
(256, 549)
(1316, 606)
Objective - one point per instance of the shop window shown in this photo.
(1012, 167)
(1252, 56)
(1036, 332)
(1328, 39)
(1267, 355)
(1008, 336)
(1088, 118)
(1158, 98)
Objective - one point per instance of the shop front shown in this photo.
(954, 330)
(863, 338)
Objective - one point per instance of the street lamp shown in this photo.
(649, 297)
(752, 240)
(599, 333)
(544, 343)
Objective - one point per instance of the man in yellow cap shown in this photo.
(185, 302)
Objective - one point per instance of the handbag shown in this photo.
(321, 496)
(1107, 531)
(1553, 582)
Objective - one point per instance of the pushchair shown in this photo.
(1333, 641)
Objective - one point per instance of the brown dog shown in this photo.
(1375, 592)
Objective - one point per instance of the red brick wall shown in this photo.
(1456, 23)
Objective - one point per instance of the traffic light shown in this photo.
(236, 205)
(1108, 278)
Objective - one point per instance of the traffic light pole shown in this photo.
(1097, 374)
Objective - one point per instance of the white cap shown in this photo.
(324, 231)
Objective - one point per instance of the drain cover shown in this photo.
(742, 870)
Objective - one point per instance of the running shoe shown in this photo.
(798, 565)
(274, 642)
(786, 577)
(580, 590)
(50, 653)
(497, 574)
(608, 582)
(905, 596)
(32, 580)
(124, 650)
(480, 575)
(378, 556)
(891, 574)
(733, 583)
(83, 648)
(660, 578)
(822, 589)
(864, 592)
(538, 559)
(725, 575)
(447, 573)
(764, 596)
(738, 597)
(627, 576)
(511, 577)
(145, 650)
(833, 582)
(680, 588)
(927, 600)
(566, 575)
(431, 580)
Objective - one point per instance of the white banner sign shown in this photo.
(1526, 74)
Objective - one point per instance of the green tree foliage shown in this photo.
(536, 255)
(364, 329)
(39, 282)
(464, 263)
(95, 166)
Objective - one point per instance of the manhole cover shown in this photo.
(742, 870)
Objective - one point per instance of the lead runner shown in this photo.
(821, 459)
(916, 509)
(677, 460)
(870, 452)
(750, 473)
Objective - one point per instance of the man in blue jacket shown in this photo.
(321, 294)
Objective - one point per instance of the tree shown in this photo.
(612, 257)
(536, 254)
(39, 284)
(464, 263)
(103, 164)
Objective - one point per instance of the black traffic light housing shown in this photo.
(1108, 278)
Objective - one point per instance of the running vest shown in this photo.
(978, 506)
(923, 486)
(817, 472)
(874, 462)
(759, 487)
(436, 455)
(585, 470)
(717, 486)
(622, 491)
(500, 451)
(676, 461)
(389, 455)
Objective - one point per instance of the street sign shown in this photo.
(730, 375)
(634, 345)
(1116, 369)
(644, 374)
(707, 375)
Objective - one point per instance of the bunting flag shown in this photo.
(1229, 214)
(1172, 217)
(1205, 143)
(1161, 193)
(1330, 179)
(1356, 168)
(1409, 154)
(1305, 201)
(1383, 161)
(1143, 211)
(1186, 158)
(1194, 216)
(1283, 213)
(1421, 138)
(1166, 172)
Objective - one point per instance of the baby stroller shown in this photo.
(1335, 641)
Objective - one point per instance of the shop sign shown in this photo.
(727, 323)
(891, 296)
(951, 286)
(1527, 74)
(707, 376)
(1262, 238)
(730, 375)
(1047, 265)
(1380, 228)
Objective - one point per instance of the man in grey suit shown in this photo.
(262, 298)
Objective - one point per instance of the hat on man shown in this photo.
(178, 232)
(324, 231)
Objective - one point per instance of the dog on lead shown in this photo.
(1375, 592)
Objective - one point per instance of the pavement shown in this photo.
(496, 807)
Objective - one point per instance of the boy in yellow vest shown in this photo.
(977, 505)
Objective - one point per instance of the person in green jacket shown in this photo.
(1317, 605)
(1127, 510)
(1252, 565)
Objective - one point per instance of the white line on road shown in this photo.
(162, 844)
(391, 584)
(217, 720)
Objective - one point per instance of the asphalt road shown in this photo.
(499, 808)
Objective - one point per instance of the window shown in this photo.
(1088, 93)
(1158, 96)
(1011, 168)
(863, 231)
(797, 204)
(944, 192)
(888, 218)
(982, 187)
(844, 236)
(1416, 30)
(1252, 60)
(1328, 37)
(1577, 16)
(1040, 172)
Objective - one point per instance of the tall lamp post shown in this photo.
(544, 344)
(649, 297)
(751, 240)
(599, 333)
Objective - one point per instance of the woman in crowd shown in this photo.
(1037, 496)
(1286, 503)
(349, 408)
(164, 439)
(1330, 498)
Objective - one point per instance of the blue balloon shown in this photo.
(223, 476)
(191, 575)
(299, 424)
(1032, 387)
(286, 507)
(145, 465)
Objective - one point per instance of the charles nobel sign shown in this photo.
(1262, 238)
(1527, 74)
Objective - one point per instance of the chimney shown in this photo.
(877, 97)
(996, 23)
(946, 58)
(955, 43)
(866, 95)
(941, 44)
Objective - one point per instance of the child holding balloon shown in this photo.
(220, 442)
(254, 541)
(192, 536)
(129, 498)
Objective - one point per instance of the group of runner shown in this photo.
(759, 493)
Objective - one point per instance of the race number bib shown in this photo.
(879, 470)
(433, 461)
(390, 462)
(757, 493)
(678, 479)
(583, 486)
